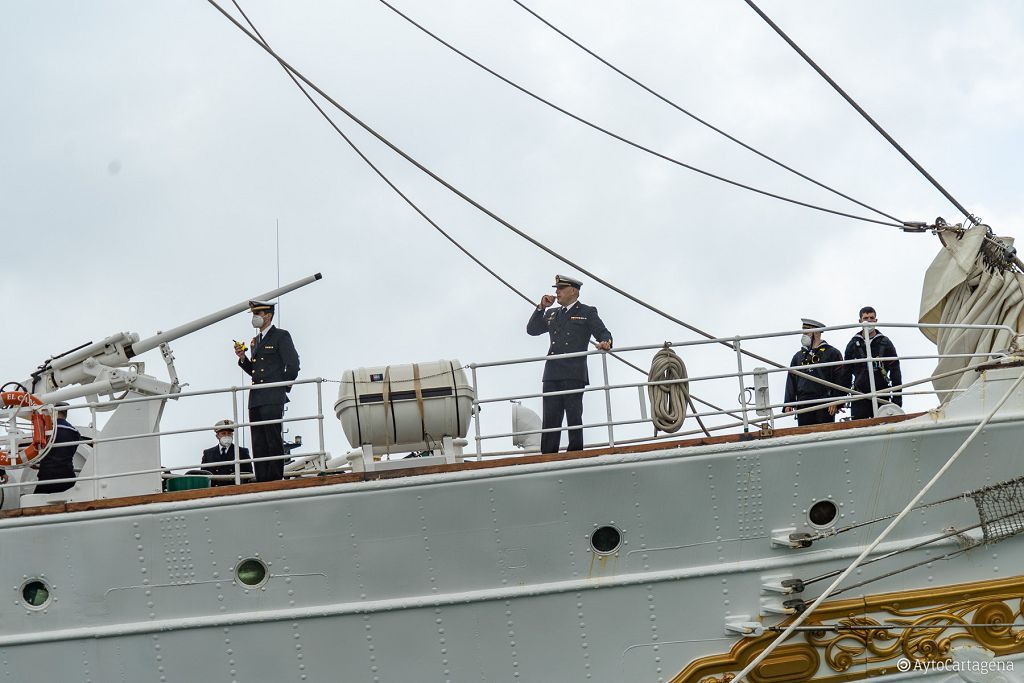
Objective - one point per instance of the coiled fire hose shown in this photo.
(668, 401)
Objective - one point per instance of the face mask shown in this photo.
(225, 441)
(868, 329)
(805, 340)
(257, 321)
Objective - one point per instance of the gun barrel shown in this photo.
(93, 349)
(156, 340)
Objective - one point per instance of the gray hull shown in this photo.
(489, 574)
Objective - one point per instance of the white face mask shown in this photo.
(225, 441)
(257, 321)
(805, 340)
(869, 328)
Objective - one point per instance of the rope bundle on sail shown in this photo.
(668, 401)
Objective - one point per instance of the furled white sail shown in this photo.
(969, 282)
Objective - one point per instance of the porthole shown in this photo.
(36, 594)
(251, 573)
(823, 513)
(605, 540)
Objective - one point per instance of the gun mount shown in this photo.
(128, 439)
(106, 366)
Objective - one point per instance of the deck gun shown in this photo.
(107, 366)
(128, 439)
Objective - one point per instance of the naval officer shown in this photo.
(273, 359)
(570, 326)
(220, 459)
(813, 352)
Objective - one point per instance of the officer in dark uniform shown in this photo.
(59, 462)
(887, 373)
(273, 359)
(570, 326)
(220, 459)
(815, 350)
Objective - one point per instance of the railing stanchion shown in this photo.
(234, 420)
(743, 388)
(476, 411)
(320, 414)
(95, 449)
(871, 373)
(607, 399)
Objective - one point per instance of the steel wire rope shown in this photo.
(867, 117)
(772, 646)
(429, 220)
(696, 118)
(369, 163)
(625, 140)
(840, 628)
(498, 219)
(969, 544)
(828, 533)
(893, 553)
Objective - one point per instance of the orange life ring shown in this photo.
(42, 425)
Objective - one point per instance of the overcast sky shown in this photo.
(150, 148)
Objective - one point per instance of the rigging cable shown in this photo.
(490, 214)
(418, 210)
(626, 140)
(994, 529)
(376, 170)
(772, 646)
(842, 628)
(696, 118)
(828, 533)
(459, 193)
(952, 533)
(821, 72)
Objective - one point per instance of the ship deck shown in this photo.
(511, 461)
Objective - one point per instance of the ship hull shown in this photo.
(490, 574)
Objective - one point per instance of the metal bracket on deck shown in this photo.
(741, 625)
(788, 538)
(777, 583)
(776, 605)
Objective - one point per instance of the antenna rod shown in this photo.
(863, 113)
(277, 241)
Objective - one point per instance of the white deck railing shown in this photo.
(236, 424)
(743, 412)
(745, 415)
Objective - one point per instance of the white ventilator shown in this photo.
(525, 426)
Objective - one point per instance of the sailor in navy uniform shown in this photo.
(59, 462)
(570, 326)
(814, 351)
(273, 359)
(220, 459)
(887, 372)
